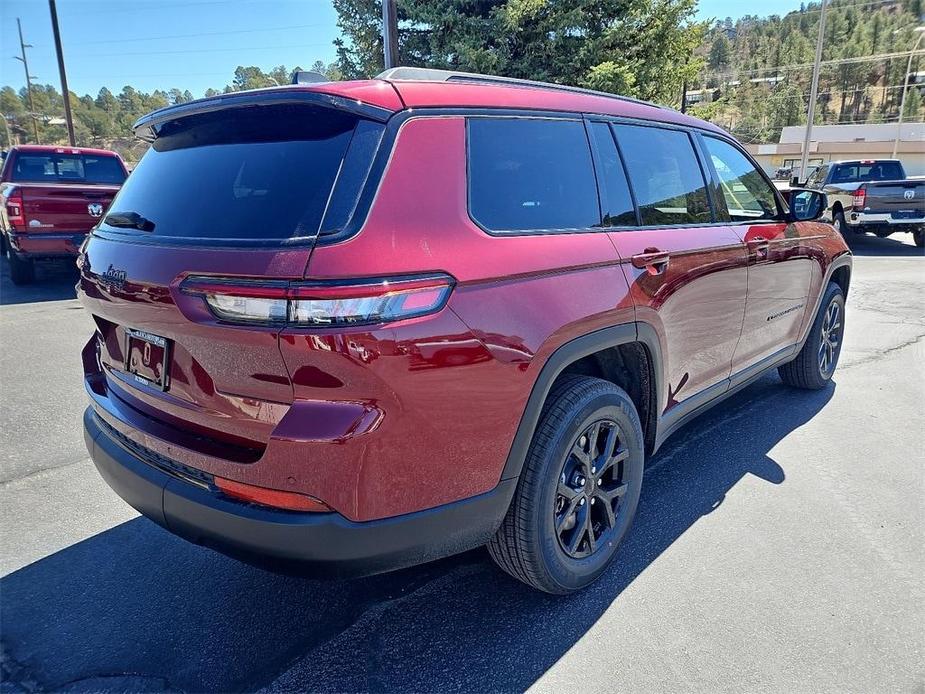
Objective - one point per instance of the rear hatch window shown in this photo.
(251, 174)
(54, 167)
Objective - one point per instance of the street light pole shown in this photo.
(902, 105)
(22, 47)
(64, 91)
(813, 92)
(389, 34)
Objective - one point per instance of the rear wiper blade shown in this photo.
(129, 220)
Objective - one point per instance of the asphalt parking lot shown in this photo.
(778, 547)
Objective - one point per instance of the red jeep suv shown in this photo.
(355, 326)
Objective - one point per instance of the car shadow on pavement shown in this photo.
(135, 608)
(53, 282)
(891, 246)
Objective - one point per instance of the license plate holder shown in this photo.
(147, 358)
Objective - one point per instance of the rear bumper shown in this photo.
(321, 544)
(866, 219)
(47, 245)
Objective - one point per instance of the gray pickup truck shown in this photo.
(872, 195)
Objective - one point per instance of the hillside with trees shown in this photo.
(757, 71)
(751, 76)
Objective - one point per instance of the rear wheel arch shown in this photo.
(842, 277)
(628, 355)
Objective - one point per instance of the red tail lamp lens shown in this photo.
(276, 498)
(860, 197)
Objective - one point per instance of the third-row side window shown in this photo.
(531, 174)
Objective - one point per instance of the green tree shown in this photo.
(642, 48)
(913, 107)
(719, 53)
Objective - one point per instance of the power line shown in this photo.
(136, 7)
(839, 61)
(136, 39)
(205, 50)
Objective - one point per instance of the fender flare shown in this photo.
(561, 358)
(843, 260)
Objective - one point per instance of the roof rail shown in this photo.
(424, 74)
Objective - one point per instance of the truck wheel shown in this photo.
(814, 365)
(841, 226)
(578, 490)
(919, 237)
(22, 270)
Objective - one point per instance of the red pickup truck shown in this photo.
(50, 197)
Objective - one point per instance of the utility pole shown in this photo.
(22, 47)
(64, 91)
(813, 92)
(902, 105)
(389, 34)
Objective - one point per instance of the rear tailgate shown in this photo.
(236, 192)
(899, 199)
(64, 207)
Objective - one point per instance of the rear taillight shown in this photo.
(860, 197)
(321, 304)
(14, 208)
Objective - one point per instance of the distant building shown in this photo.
(836, 142)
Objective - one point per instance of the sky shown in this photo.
(160, 44)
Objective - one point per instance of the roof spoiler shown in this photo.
(148, 127)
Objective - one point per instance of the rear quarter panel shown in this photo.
(451, 388)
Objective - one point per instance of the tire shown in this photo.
(919, 237)
(815, 364)
(22, 270)
(531, 544)
(841, 226)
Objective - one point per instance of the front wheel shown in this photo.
(815, 364)
(578, 490)
(919, 237)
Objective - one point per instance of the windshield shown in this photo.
(869, 171)
(39, 167)
(249, 173)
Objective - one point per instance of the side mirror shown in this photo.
(807, 205)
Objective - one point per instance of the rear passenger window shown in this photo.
(665, 175)
(616, 202)
(531, 174)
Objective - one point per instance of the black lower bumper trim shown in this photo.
(317, 544)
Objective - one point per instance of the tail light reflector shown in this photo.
(860, 197)
(14, 208)
(277, 498)
(321, 304)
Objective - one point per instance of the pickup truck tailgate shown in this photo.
(64, 207)
(897, 198)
